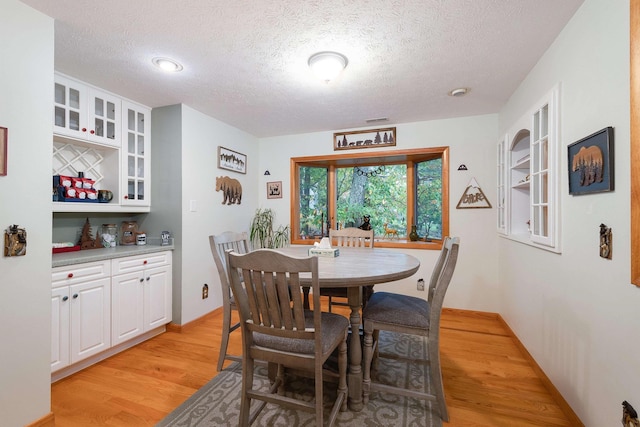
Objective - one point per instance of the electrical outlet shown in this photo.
(421, 284)
(205, 291)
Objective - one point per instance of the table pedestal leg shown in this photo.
(354, 377)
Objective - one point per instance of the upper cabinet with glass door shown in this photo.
(529, 184)
(86, 113)
(135, 156)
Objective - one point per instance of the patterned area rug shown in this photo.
(218, 402)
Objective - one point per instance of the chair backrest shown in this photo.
(219, 243)
(441, 277)
(267, 289)
(352, 236)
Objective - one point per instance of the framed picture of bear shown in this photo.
(590, 162)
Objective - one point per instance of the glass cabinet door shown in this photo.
(136, 153)
(104, 118)
(69, 111)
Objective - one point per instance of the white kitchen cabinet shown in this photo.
(85, 112)
(106, 137)
(81, 312)
(141, 298)
(136, 182)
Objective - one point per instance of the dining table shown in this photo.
(354, 268)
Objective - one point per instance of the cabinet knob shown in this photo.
(75, 296)
(148, 278)
(92, 131)
(141, 279)
(70, 275)
(64, 298)
(84, 129)
(145, 262)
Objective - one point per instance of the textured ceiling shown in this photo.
(245, 62)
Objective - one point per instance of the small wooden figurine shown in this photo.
(86, 241)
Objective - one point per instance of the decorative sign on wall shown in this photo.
(473, 197)
(3, 151)
(232, 160)
(372, 138)
(231, 190)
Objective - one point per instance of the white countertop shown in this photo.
(91, 255)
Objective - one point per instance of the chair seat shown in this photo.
(333, 329)
(397, 309)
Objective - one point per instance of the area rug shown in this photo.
(217, 403)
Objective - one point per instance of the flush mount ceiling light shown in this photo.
(327, 65)
(167, 65)
(458, 92)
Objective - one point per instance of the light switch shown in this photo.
(193, 205)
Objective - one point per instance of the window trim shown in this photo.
(331, 161)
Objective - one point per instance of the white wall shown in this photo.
(26, 88)
(472, 142)
(577, 313)
(185, 146)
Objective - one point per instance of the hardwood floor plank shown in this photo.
(488, 380)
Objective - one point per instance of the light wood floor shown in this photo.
(488, 380)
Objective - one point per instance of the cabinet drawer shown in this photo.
(71, 274)
(140, 262)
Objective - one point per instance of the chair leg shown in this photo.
(247, 385)
(367, 356)
(226, 326)
(436, 378)
(330, 303)
(319, 396)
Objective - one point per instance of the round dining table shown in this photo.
(354, 268)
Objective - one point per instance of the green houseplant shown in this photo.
(262, 233)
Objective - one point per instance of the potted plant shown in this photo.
(262, 234)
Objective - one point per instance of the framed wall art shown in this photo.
(372, 138)
(274, 190)
(232, 160)
(591, 163)
(3, 151)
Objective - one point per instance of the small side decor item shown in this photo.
(473, 197)
(15, 241)
(231, 190)
(263, 235)
(324, 249)
(629, 415)
(372, 138)
(590, 162)
(605, 241)
(4, 133)
(232, 160)
(86, 238)
(274, 190)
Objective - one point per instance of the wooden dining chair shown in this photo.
(410, 315)
(276, 329)
(239, 242)
(349, 237)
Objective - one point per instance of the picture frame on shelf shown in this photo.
(274, 190)
(232, 160)
(371, 138)
(591, 163)
(4, 136)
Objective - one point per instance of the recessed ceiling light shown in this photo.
(167, 65)
(461, 91)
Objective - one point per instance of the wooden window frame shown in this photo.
(409, 157)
